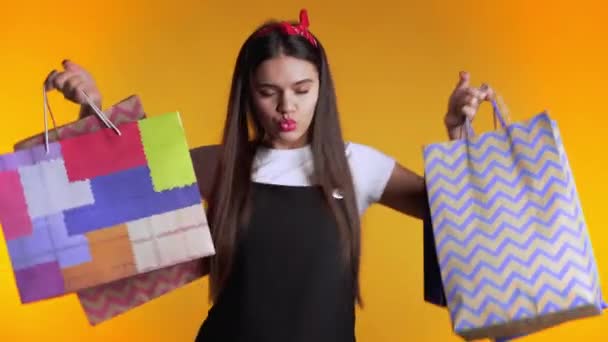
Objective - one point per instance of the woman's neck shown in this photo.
(282, 145)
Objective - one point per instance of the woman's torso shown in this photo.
(289, 282)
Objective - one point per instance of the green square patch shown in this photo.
(167, 151)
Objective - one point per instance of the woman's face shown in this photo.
(285, 92)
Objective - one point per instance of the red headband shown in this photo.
(300, 29)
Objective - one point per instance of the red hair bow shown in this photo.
(301, 29)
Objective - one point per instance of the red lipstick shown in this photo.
(287, 125)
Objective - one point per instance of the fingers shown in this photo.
(72, 87)
(465, 100)
(59, 80)
(469, 111)
(71, 82)
(463, 80)
(68, 83)
(471, 100)
(69, 65)
(472, 96)
(48, 82)
(475, 96)
(487, 92)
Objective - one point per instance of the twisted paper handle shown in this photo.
(497, 103)
(47, 111)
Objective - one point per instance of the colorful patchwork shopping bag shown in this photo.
(509, 233)
(102, 206)
(104, 302)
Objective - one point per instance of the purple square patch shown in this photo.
(40, 282)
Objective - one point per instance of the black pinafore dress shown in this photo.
(289, 283)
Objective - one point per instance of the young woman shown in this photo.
(285, 206)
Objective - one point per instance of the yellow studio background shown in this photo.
(395, 63)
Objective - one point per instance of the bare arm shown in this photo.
(405, 192)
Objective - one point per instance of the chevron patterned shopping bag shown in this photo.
(510, 237)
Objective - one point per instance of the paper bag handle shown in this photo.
(467, 129)
(47, 111)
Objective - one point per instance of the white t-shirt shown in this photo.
(370, 168)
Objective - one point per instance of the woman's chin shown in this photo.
(293, 139)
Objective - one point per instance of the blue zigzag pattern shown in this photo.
(506, 225)
(510, 142)
(516, 295)
(493, 319)
(520, 173)
(456, 145)
(494, 234)
(492, 220)
(508, 242)
(493, 150)
(480, 203)
(522, 313)
(515, 275)
(496, 179)
(583, 226)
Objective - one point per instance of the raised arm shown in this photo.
(405, 190)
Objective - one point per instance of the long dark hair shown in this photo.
(229, 201)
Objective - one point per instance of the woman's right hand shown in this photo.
(71, 82)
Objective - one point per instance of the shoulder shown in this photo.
(371, 170)
(358, 151)
(367, 159)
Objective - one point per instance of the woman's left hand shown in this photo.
(463, 104)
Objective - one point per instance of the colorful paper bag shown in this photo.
(511, 240)
(94, 208)
(104, 302)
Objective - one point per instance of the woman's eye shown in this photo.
(266, 93)
(271, 92)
